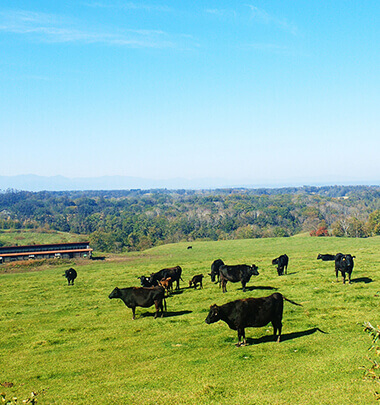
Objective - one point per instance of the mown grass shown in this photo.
(29, 237)
(81, 347)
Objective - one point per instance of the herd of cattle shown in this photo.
(238, 314)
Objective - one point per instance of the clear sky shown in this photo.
(251, 91)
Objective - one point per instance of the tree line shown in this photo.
(126, 220)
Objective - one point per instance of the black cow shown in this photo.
(71, 275)
(144, 281)
(282, 264)
(250, 312)
(326, 258)
(173, 272)
(236, 273)
(344, 264)
(141, 297)
(215, 269)
(196, 280)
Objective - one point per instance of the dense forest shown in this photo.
(125, 220)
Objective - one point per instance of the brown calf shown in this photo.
(167, 283)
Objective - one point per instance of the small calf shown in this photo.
(71, 275)
(196, 280)
(167, 283)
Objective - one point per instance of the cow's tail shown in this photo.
(292, 302)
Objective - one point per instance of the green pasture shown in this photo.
(24, 237)
(79, 347)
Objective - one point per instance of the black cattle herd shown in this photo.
(238, 314)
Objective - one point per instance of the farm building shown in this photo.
(55, 250)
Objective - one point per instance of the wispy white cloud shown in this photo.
(54, 29)
(264, 17)
(221, 12)
(129, 6)
(268, 47)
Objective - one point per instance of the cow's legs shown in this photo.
(277, 326)
(157, 306)
(133, 312)
(224, 285)
(241, 337)
(243, 283)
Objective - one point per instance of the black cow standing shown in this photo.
(345, 265)
(196, 280)
(282, 264)
(236, 273)
(173, 272)
(250, 312)
(215, 266)
(141, 297)
(326, 258)
(71, 275)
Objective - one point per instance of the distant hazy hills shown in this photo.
(61, 183)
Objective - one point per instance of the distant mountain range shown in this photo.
(61, 183)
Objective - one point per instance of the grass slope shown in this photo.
(81, 348)
(29, 237)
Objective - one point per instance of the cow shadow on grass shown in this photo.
(284, 337)
(167, 314)
(365, 280)
(176, 292)
(256, 287)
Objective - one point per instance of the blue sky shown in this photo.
(255, 92)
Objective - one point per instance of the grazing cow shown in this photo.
(282, 263)
(189, 247)
(215, 269)
(173, 272)
(141, 297)
(144, 281)
(71, 275)
(239, 272)
(326, 258)
(196, 280)
(344, 264)
(167, 284)
(250, 312)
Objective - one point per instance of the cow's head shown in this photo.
(213, 316)
(115, 293)
(254, 270)
(275, 261)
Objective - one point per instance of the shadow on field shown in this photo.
(284, 337)
(365, 280)
(176, 292)
(253, 287)
(167, 314)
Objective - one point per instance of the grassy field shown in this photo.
(80, 347)
(25, 237)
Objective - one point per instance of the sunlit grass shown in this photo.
(81, 347)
